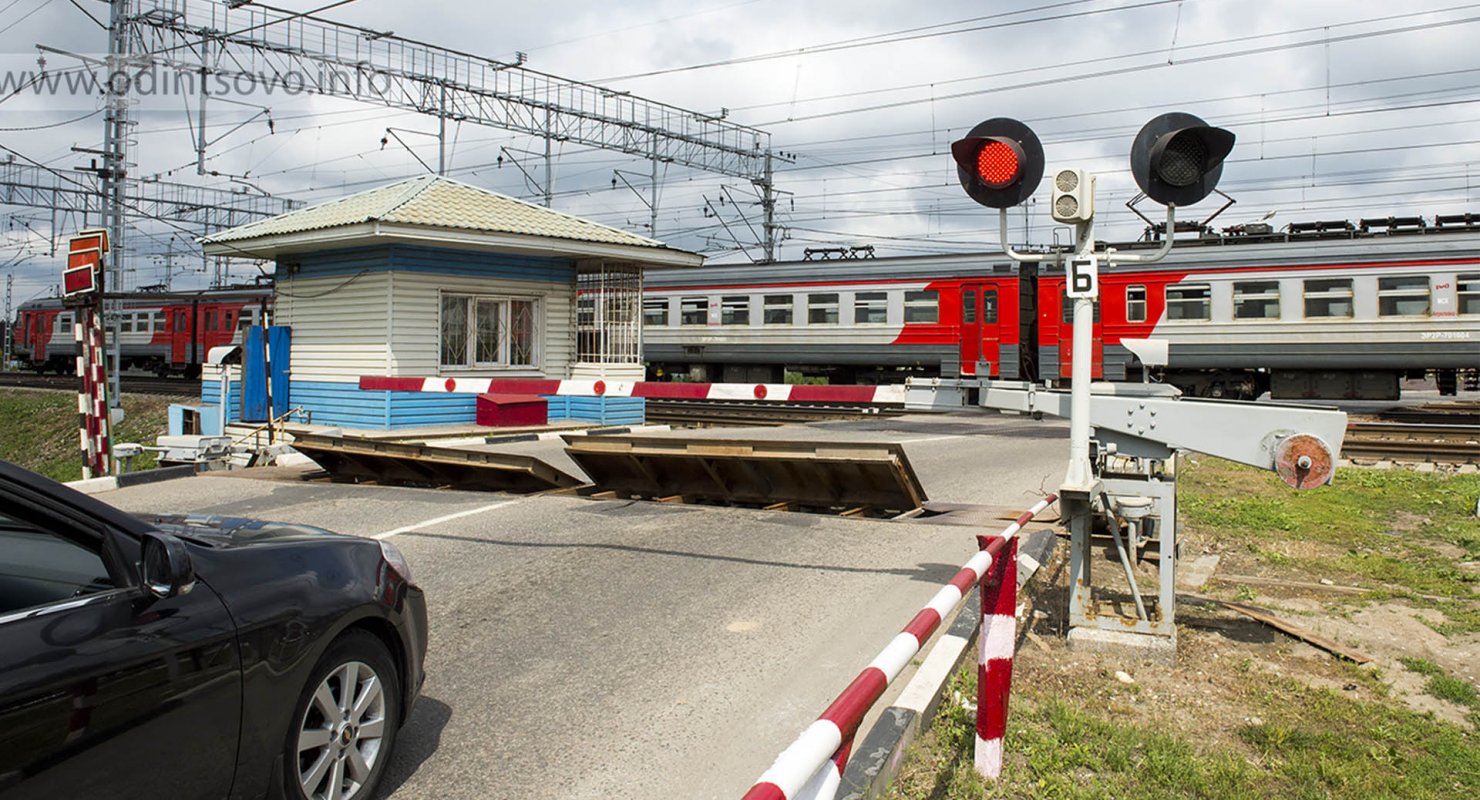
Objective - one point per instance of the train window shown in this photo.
(734, 310)
(210, 324)
(776, 309)
(968, 306)
(64, 322)
(822, 309)
(125, 323)
(693, 311)
(1135, 304)
(870, 308)
(921, 306)
(1191, 301)
(655, 312)
(1406, 296)
(1469, 293)
(156, 321)
(1256, 300)
(989, 306)
(1328, 297)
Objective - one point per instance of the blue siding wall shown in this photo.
(602, 410)
(347, 405)
(210, 395)
(433, 261)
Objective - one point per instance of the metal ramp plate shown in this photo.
(418, 464)
(851, 475)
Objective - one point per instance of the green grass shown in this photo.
(1446, 687)
(1381, 529)
(38, 430)
(1305, 743)
(1395, 532)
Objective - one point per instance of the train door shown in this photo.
(40, 333)
(970, 327)
(1066, 341)
(180, 335)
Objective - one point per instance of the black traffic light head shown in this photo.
(999, 163)
(1177, 158)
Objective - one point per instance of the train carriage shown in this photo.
(163, 333)
(860, 320)
(1320, 311)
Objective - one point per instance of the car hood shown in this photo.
(234, 531)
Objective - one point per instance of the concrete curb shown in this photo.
(877, 759)
(108, 483)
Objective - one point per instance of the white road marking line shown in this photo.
(447, 518)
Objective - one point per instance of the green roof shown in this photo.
(436, 202)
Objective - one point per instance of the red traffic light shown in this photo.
(1177, 158)
(999, 163)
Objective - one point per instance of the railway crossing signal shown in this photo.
(999, 163)
(1177, 158)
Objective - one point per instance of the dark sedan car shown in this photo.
(196, 657)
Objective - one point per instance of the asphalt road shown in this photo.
(612, 649)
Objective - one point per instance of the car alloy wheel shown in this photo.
(345, 727)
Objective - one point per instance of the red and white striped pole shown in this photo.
(807, 759)
(92, 400)
(994, 668)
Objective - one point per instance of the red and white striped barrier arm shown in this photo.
(771, 392)
(817, 751)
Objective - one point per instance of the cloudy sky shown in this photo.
(1342, 110)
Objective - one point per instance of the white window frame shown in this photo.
(819, 306)
(1329, 289)
(778, 302)
(1179, 302)
(734, 309)
(505, 347)
(921, 306)
(687, 305)
(662, 304)
(1399, 293)
(1137, 304)
(1264, 293)
(1467, 287)
(868, 304)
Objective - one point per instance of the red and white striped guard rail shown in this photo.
(811, 767)
(768, 392)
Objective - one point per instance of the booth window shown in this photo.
(489, 331)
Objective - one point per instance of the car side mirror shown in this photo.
(165, 570)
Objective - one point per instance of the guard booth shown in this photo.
(406, 300)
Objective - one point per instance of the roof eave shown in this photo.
(370, 233)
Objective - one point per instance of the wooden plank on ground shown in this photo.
(1281, 624)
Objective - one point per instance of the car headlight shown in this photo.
(397, 562)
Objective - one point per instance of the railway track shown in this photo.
(130, 384)
(1445, 444)
(733, 412)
